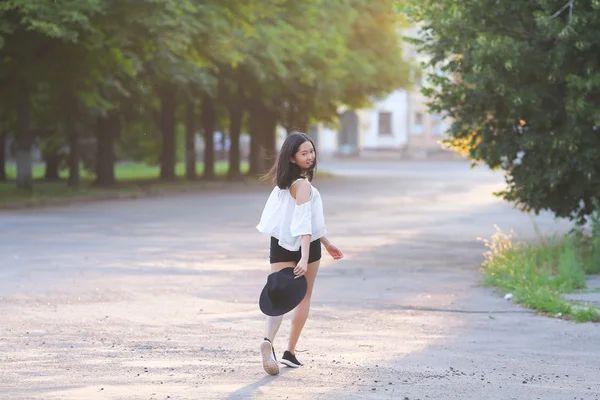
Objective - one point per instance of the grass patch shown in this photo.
(139, 171)
(129, 171)
(538, 274)
(132, 178)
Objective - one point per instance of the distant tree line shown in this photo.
(139, 79)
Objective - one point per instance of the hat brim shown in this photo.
(294, 295)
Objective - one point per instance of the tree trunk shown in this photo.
(74, 154)
(302, 124)
(106, 132)
(296, 119)
(223, 152)
(167, 127)
(208, 128)
(290, 119)
(72, 130)
(263, 138)
(51, 170)
(190, 140)
(24, 141)
(3, 137)
(236, 114)
(257, 133)
(270, 138)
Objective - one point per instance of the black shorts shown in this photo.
(279, 254)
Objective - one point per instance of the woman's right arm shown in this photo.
(302, 195)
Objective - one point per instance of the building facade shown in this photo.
(398, 124)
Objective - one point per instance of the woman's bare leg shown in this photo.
(272, 326)
(302, 310)
(273, 323)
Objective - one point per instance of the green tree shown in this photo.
(30, 33)
(186, 43)
(344, 53)
(55, 50)
(521, 83)
(126, 75)
(233, 98)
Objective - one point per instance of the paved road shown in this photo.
(156, 298)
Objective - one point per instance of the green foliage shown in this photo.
(141, 143)
(538, 274)
(69, 64)
(309, 58)
(65, 19)
(585, 314)
(375, 62)
(522, 91)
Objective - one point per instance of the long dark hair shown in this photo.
(284, 172)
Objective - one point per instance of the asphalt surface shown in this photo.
(157, 298)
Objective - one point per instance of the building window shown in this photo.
(418, 125)
(385, 123)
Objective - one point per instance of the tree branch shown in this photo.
(569, 5)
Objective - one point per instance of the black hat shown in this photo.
(282, 293)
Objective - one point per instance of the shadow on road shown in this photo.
(246, 391)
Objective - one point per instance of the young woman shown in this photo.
(293, 217)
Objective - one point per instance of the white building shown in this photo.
(400, 124)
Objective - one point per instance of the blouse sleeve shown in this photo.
(302, 220)
(266, 219)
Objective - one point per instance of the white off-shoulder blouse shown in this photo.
(287, 221)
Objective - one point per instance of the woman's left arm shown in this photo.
(335, 252)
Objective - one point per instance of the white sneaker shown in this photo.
(268, 358)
